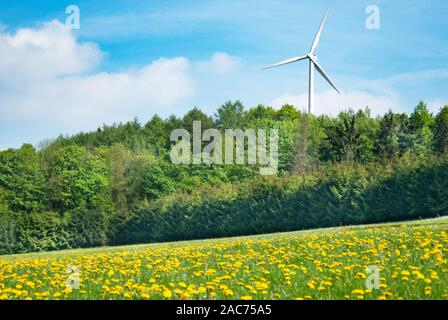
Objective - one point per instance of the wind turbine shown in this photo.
(311, 56)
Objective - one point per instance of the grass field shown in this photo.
(388, 261)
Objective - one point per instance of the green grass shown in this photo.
(330, 263)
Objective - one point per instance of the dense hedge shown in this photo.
(339, 195)
(45, 231)
(342, 196)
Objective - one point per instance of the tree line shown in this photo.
(117, 185)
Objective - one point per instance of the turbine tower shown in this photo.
(313, 64)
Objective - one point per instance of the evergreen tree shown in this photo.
(419, 135)
(441, 131)
(196, 114)
(420, 118)
(230, 115)
(343, 142)
(157, 134)
(387, 138)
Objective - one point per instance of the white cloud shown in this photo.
(435, 105)
(42, 54)
(220, 63)
(48, 86)
(83, 102)
(331, 103)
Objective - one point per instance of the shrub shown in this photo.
(8, 233)
(43, 231)
(87, 228)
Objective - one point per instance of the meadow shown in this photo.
(411, 260)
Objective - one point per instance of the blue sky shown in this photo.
(137, 58)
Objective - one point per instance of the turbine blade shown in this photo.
(324, 75)
(291, 60)
(319, 31)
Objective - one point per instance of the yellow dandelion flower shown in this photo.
(167, 293)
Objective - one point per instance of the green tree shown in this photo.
(9, 242)
(22, 179)
(118, 159)
(40, 231)
(77, 178)
(196, 114)
(3, 201)
(287, 112)
(419, 135)
(173, 123)
(230, 115)
(157, 134)
(420, 118)
(260, 112)
(441, 131)
(157, 182)
(139, 167)
(368, 127)
(87, 228)
(343, 142)
(386, 144)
